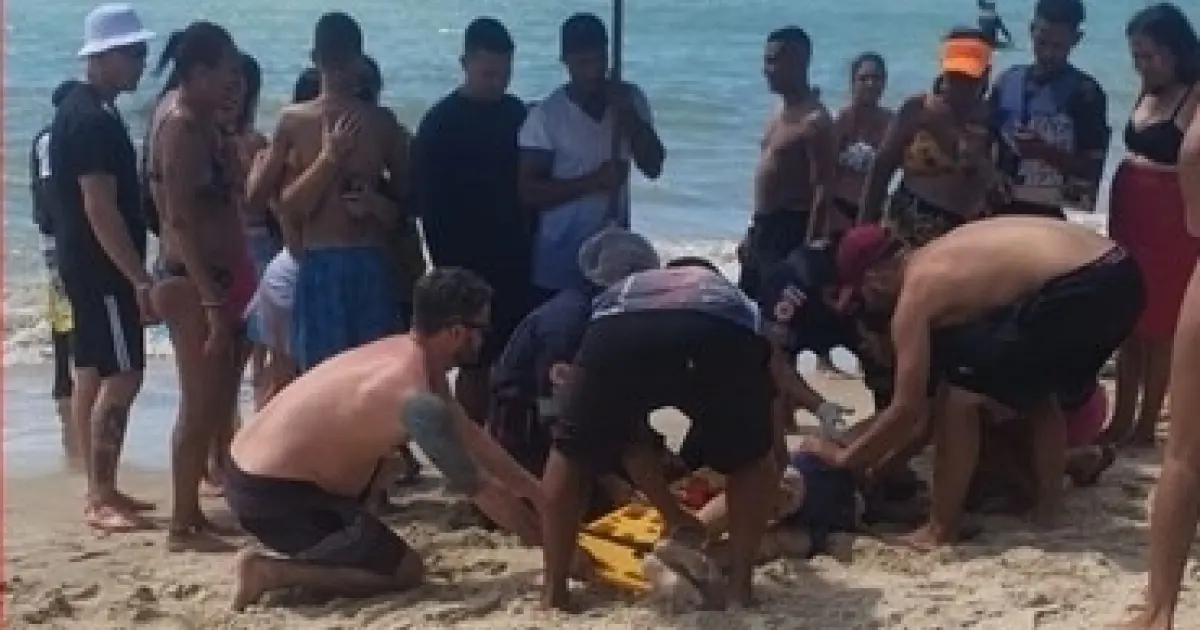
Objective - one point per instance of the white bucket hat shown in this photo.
(111, 26)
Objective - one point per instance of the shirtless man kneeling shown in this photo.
(300, 473)
(1006, 312)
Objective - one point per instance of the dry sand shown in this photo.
(1084, 576)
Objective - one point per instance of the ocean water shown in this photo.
(699, 61)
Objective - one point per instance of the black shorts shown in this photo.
(108, 335)
(629, 365)
(303, 521)
(771, 237)
(1053, 343)
(1028, 209)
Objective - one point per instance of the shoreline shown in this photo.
(1080, 577)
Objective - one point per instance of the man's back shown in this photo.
(333, 423)
(995, 262)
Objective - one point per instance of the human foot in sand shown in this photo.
(114, 519)
(1146, 621)
(130, 503)
(200, 535)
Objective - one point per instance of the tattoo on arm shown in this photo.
(429, 422)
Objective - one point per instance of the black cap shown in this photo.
(583, 32)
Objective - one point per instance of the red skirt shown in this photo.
(1147, 217)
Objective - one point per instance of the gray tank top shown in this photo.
(680, 289)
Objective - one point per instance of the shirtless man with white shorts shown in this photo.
(300, 473)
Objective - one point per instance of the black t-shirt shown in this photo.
(466, 162)
(88, 137)
(794, 310)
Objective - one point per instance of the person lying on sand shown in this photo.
(1003, 311)
(683, 337)
(301, 472)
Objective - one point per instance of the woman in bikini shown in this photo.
(202, 287)
(1146, 213)
(940, 143)
(859, 129)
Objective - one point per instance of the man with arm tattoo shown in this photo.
(302, 473)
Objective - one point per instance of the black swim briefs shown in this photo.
(631, 364)
(306, 522)
(771, 237)
(1054, 342)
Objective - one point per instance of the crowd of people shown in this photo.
(980, 316)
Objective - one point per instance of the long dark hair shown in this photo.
(1167, 26)
(200, 44)
(252, 75)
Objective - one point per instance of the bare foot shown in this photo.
(253, 574)
(1144, 621)
(114, 519)
(560, 602)
(130, 503)
(198, 541)
(925, 539)
(695, 566)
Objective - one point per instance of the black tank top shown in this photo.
(1158, 141)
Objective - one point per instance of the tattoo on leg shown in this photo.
(108, 436)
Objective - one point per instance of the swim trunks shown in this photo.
(306, 522)
(771, 237)
(345, 298)
(269, 314)
(1054, 342)
(632, 363)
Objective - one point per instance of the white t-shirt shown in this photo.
(579, 144)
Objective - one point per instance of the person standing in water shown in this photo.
(58, 312)
(795, 173)
(1147, 212)
(330, 155)
(992, 25)
(1050, 120)
(466, 161)
(858, 130)
(567, 169)
(941, 144)
(205, 278)
(100, 237)
(1176, 507)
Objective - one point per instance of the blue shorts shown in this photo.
(345, 297)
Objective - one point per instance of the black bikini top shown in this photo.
(1158, 141)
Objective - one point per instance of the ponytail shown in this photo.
(167, 58)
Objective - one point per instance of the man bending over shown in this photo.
(1004, 311)
(302, 471)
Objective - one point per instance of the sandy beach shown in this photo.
(1085, 575)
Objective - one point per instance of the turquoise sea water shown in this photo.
(699, 61)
